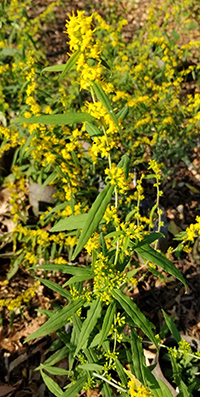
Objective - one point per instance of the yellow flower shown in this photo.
(137, 390)
(92, 244)
(117, 178)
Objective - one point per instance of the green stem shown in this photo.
(110, 383)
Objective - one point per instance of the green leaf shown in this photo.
(52, 385)
(132, 273)
(104, 63)
(54, 68)
(164, 389)
(155, 386)
(57, 208)
(77, 323)
(70, 223)
(55, 287)
(106, 390)
(107, 322)
(153, 236)
(63, 268)
(51, 178)
(55, 370)
(57, 320)
(57, 356)
(149, 254)
(103, 245)
(126, 165)
(91, 367)
(77, 279)
(103, 98)
(114, 234)
(120, 372)
(135, 314)
(93, 130)
(15, 266)
(172, 327)
(175, 35)
(10, 52)
(94, 217)
(184, 390)
(70, 63)
(122, 114)
(137, 357)
(73, 391)
(88, 325)
(56, 119)
(96, 340)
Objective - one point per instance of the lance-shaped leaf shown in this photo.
(55, 370)
(54, 68)
(137, 317)
(57, 320)
(71, 62)
(103, 98)
(57, 356)
(63, 268)
(137, 357)
(157, 387)
(149, 254)
(147, 239)
(107, 322)
(56, 119)
(94, 217)
(123, 113)
(78, 279)
(89, 324)
(52, 385)
(73, 391)
(64, 68)
(172, 327)
(70, 223)
(124, 163)
(121, 372)
(93, 130)
(55, 287)
(91, 367)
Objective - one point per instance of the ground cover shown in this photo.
(180, 201)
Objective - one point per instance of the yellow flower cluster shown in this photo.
(92, 244)
(106, 279)
(81, 39)
(23, 297)
(117, 178)
(192, 231)
(13, 139)
(110, 215)
(41, 238)
(184, 346)
(157, 168)
(31, 86)
(17, 191)
(118, 321)
(137, 390)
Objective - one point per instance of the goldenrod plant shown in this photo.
(98, 305)
(83, 127)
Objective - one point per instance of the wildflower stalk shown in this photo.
(110, 383)
(109, 157)
(159, 211)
